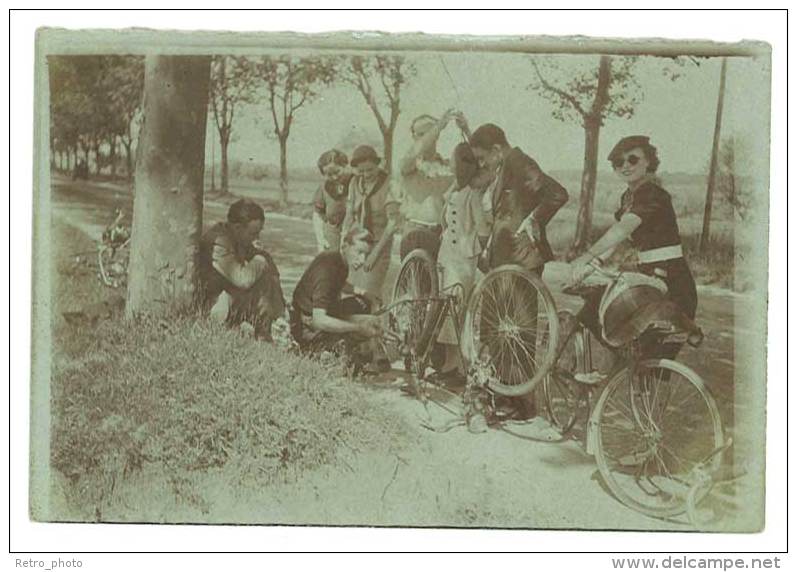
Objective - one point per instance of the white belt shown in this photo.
(661, 254)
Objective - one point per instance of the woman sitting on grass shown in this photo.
(238, 281)
(647, 217)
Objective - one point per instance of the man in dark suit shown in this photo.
(522, 201)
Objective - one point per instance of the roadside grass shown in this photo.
(179, 400)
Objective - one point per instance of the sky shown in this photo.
(679, 115)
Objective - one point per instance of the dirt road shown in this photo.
(453, 477)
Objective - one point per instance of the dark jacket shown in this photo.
(524, 188)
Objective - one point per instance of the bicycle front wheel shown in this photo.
(656, 429)
(415, 284)
(511, 329)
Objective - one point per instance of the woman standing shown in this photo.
(465, 226)
(647, 217)
(424, 177)
(330, 199)
(373, 206)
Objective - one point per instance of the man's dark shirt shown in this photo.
(653, 205)
(321, 284)
(524, 188)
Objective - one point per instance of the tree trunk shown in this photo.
(112, 155)
(68, 159)
(97, 159)
(589, 175)
(387, 149)
(128, 159)
(284, 169)
(167, 209)
(712, 170)
(225, 166)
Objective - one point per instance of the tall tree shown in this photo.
(379, 80)
(712, 170)
(167, 210)
(289, 84)
(125, 80)
(230, 85)
(589, 97)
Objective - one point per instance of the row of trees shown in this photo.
(95, 103)
(286, 84)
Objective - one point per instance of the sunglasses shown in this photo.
(619, 162)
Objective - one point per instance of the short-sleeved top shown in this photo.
(321, 284)
(423, 184)
(369, 204)
(653, 205)
(330, 200)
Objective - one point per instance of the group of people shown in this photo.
(488, 205)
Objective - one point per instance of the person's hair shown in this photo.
(626, 144)
(332, 156)
(465, 164)
(488, 135)
(244, 211)
(421, 118)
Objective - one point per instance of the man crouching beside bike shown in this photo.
(321, 318)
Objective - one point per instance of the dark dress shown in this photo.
(657, 240)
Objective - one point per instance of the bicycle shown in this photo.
(655, 429)
(113, 253)
(507, 334)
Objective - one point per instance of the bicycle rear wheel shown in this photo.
(415, 284)
(511, 328)
(656, 429)
(563, 395)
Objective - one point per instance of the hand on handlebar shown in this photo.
(582, 267)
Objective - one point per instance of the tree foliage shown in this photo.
(575, 95)
(379, 80)
(94, 100)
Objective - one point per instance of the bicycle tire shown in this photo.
(561, 393)
(673, 489)
(507, 381)
(417, 279)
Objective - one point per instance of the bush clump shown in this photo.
(185, 397)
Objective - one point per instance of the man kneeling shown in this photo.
(238, 280)
(320, 317)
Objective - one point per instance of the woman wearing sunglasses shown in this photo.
(647, 217)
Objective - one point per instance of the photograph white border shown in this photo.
(719, 26)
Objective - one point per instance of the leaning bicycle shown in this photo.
(506, 329)
(655, 429)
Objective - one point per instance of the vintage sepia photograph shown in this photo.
(400, 280)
